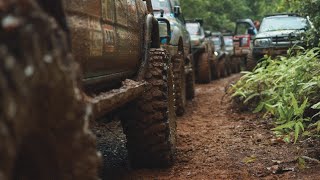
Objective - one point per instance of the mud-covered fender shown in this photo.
(151, 40)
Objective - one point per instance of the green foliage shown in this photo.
(285, 88)
(222, 15)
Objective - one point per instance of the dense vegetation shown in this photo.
(221, 15)
(287, 89)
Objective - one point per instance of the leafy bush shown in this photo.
(288, 89)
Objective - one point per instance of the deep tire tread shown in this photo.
(204, 68)
(47, 135)
(180, 83)
(251, 62)
(151, 134)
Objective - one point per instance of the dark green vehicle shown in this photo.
(201, 50)
(171, 19)
(47, 99)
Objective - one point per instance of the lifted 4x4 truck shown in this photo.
(278, 33)
(46, 104)
(175, 38)
(201, 50)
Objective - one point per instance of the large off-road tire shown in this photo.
(180, 83)
(215, 70)
(43, 118)
(150, 122)
(251, 62)
(235, 65)
(221, 68)
(228, 65)
(204, 68)
(190, 84)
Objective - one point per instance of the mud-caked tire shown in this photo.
(228, 65)
(191, 83)
(221, 68)
(204, 68)
(251, 62)
(235, 65)
(43, 116)
(215, 70)
(180, 83)
(150, 122)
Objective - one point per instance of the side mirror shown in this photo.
(177, 11)
(251, 31)
(207, 34)
(164, 30)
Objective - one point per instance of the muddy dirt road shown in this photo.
(215, 141)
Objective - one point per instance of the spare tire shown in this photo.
(43, 117)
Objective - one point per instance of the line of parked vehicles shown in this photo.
(65, 63)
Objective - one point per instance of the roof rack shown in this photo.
(283, 14)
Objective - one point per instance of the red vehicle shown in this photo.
(243, 36)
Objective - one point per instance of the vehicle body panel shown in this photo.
(276, 38)
(242, 38)
(177, 25)
(106, 37)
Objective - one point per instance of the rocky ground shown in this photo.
(216, 141)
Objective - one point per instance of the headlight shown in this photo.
(262, 42)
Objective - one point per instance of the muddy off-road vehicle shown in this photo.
(201, 50)
(243, 39)
(235, 62)
(278, 33)
(176, 39)
(46, 105)
(222, 63)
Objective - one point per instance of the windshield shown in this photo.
(193, 28)
(161, 4)
(283, 23)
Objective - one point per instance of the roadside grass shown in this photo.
(286, 89)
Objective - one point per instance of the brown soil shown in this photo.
(217, 142)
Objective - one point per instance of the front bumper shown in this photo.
(271, 51)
